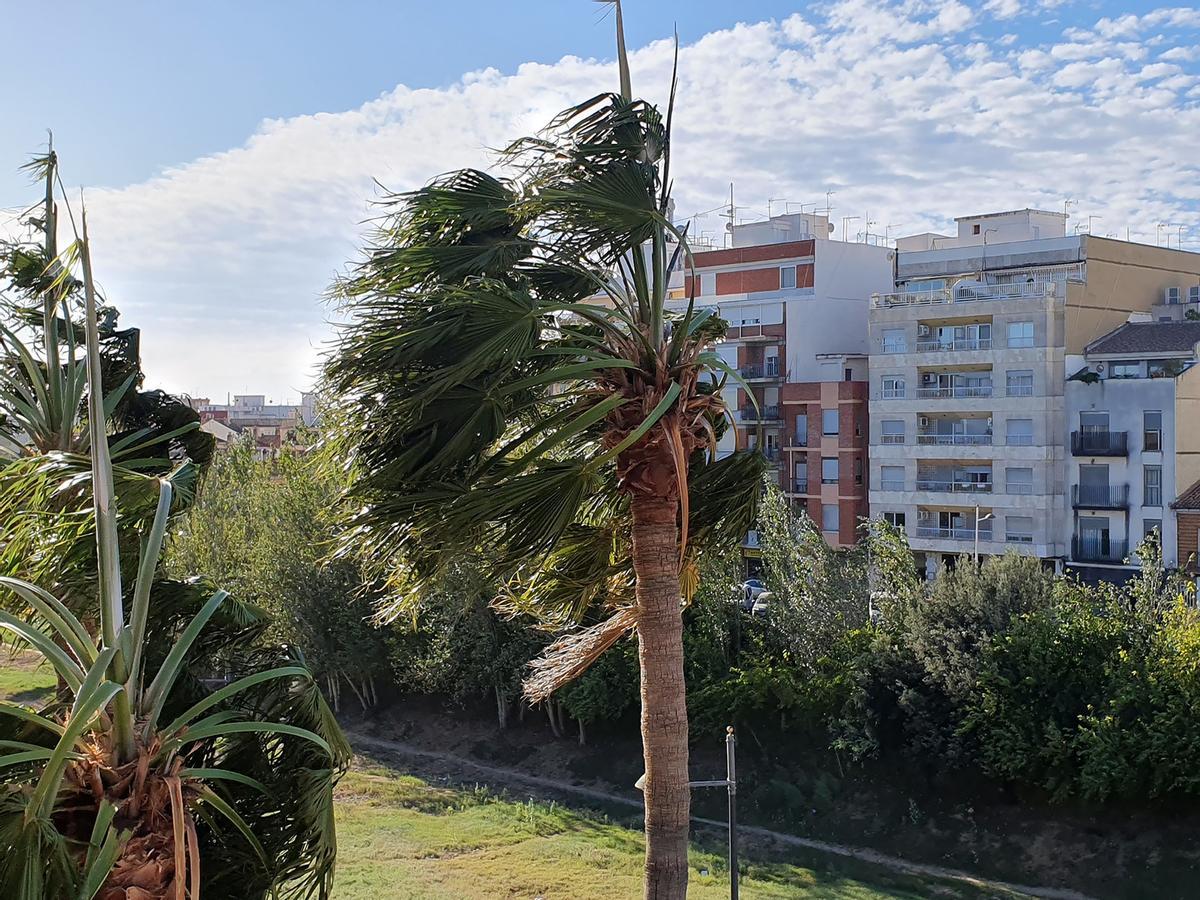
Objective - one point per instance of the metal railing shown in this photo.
(1020, 390)
(953, 486)
(966, 440)
(796, 440)
(750, 373)
(1019, 487)
(1098, 549)
(964, 533)
(937, 345)
(762, 414)
(1019, 440)
(893, 393)
(1018, 537)
(962, 391)
(1099, 496)
(800, 486)
(893, 346)
(890, 484)
(1095, 442)
(966, 294)
(891, 439)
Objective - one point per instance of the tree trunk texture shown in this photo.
(664, 698)
(501, 708)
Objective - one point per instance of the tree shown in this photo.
(141, 776)
(513, 384)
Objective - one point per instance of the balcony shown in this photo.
(796, 441)
(1098, 550)
(965, 293)
(800, 486)
(951, 486)
(771, 453)
(953, 440)
(762, 414)
(1100, 496)
(960, 533)
(1018, 537)
(760, 373)
(937, 345)
(955, 392)
(891, 439)
(1099, 443)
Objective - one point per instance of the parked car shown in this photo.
(751, 589)
(762, 604)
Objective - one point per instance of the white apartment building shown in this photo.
(968, 372)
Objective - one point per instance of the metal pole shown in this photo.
(731, 778)
(977, 535)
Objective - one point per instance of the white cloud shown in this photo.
(899, 108)
(1003, 9)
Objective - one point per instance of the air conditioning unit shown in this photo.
(1194, 293)
(923, 421)
(924, 331)
(1171, 295)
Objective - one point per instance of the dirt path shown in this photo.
(502, 776)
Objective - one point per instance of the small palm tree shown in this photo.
(142, 780)
(515, 385)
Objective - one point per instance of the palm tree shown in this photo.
(143, 779)
(515, 385)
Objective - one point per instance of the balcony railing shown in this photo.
(937, 345)
(1020, 390)
(1099, 443)
(953, 487)
(762, 414)
(800, 486)
(962, 533)
(1018, 537)
(965, 294)
(796, 440)
(1100, 496)
(961, 391)
(891, 484)
(751, 373)
(891, 439)
(959, 440)
(1097, 549)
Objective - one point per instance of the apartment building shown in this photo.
(796, 303)
(968, 365)
(1134, 413)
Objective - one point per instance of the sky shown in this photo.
(230, 152)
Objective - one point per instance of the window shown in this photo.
(829, 470)
(893, 387)
(1152, 486)
(802, 430)
(1125, 370)
(1166, 368)
(1149, 526)
(891, 478)
(858, 470)
(1020, 334)
(1020, 432)
(892, 431)
(974, 229)
(1018, 480)
(1152, 431)
(895, 519)
(708, 285)
(849, 374)
(1018, 529)
(787, 277)
(893, 340)
(1020, 383)
(829, 422)
(830, 519)
(772, 366)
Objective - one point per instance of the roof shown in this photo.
(1148, 337)
(1010, 212)
(1189, 499)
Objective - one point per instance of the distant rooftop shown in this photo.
(1148, 337)
(1012, 212)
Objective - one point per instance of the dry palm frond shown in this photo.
(571, 655)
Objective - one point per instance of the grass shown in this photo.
(400, 838)
(25, 679)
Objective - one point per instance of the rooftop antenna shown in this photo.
(1179, 237)
(1067, 203)
(846, 220)
(1158, 233)
(887, 232)
(1089, 225)
(829, 202)
(774, 200)
(730, 215)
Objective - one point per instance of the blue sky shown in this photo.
(228, 148)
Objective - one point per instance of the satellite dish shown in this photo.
(829, 225)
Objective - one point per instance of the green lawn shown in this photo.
(400, 838)
(23, 680)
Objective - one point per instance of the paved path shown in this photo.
(512, 776)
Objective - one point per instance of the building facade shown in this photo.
(969, 355)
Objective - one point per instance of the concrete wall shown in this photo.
(1187, 430)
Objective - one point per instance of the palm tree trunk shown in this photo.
(664, 699)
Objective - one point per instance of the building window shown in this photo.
(849, 374)
(829, 470)
(1149, 526)
(858, 470)
(974, 229)
(1020, 433)
(802, 430)
(892, 431)
(830, 520)
(1125, 370)
(895, 519)
(772, 365)
(1018, 529)
(1020, 383)
(893, 340)
(1152, 431)
(829, 422)
(1018, 480)
(787, 277)
(893, 387)
(1020, 334)
(1152, 486)
(891, 478)
(708, 285)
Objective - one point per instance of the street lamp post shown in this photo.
(979, 519)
